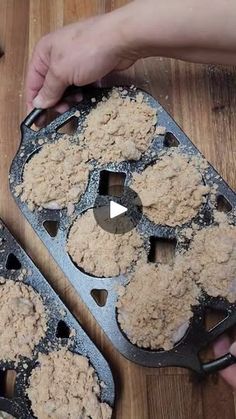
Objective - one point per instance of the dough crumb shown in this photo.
(41, 141)
(55, 177)
(160, 130)
(23, 320)
(101, 253)
(155, 307)
(119, 128)
(171, 190)
(64, 385)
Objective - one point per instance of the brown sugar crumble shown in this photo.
(64, 385)
(160, 130)
(56, 176)
(119, 128)
(155, 307)
(212, 260)
(172, 189)
(101, 253)
(23, 320)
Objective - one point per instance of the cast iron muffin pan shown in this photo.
(186, 352)
(13, 263)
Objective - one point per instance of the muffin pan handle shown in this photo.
(219, 363)
(32, 117)
(36, 112)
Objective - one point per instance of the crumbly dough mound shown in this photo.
(212, 260)
(23, 320)
(155, 307)
(65, 386)
(171, 190)
(56, 176)
(101, 253)
(119, 128)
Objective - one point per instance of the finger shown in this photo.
(41, 121)
(51, 91)
(221, 347)
(73, 98)
(68, 101)
(62, 107)
(46, 117)
(232, 349)
(78, 97)
(37, 71)
(34, 83)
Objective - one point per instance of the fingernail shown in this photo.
(232, 349)
(37, 102)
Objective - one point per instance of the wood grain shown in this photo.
(202, 100)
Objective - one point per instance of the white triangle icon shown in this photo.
(116, 209)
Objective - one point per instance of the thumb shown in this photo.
(232, 349)
(221, 347)
(51, 91)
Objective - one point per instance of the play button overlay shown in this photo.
(116, 209)
(118, 212)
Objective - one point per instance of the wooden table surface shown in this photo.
(202, 99)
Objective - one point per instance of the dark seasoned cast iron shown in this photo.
(185, 353)
(19, 404)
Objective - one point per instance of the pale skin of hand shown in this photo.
(81, 53)
(87, 51)
(221, 347)
(77, 54)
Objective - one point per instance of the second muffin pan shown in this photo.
(52, 226)
(17, 266)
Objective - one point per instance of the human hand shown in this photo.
(221, 347)
(84, 52)
(77, 54)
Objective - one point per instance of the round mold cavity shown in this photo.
(45, 316)
(27, 160)
(50, 210)
(70, 257)
(181, 338)
(89, 105)
(36, 364)
(88, 274)
(202, 208)
(183, 329)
